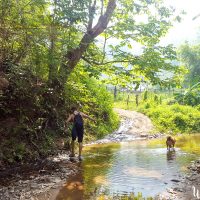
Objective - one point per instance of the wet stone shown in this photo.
(178, 189)
(33, 186)
(56, 180)
(175, 180)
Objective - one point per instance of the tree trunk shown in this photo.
(53, 68)
(72, 57)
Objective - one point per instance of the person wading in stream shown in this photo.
(78, 129)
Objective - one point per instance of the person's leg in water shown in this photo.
(80, 141)
(74, 134)
(80, 148)
(72, 149)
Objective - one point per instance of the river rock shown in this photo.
(56, 180)
(34, 185)
(175, 180)
(178, 189)
(144, 135)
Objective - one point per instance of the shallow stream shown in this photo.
(120, 169)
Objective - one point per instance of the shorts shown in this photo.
(77, 131)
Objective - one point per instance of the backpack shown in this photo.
(78, 120)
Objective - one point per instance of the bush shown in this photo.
(190, 96)
(33, 114)
(98, 103)
(176, 118)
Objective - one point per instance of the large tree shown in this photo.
(119, 27)
(190, 56)
(52, 37)
(43, 41)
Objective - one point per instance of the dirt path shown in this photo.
(141, 126)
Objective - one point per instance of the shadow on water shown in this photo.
(124, 169)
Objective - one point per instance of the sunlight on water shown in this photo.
(101, 180)
(130, 168)
(136, 171)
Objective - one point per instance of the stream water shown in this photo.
(125, 168)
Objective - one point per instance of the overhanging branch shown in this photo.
(92, 62)
(73, 57)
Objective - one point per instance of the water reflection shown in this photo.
(171, 155)
(73, 190)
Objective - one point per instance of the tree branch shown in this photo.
(104, 19)
(74, 55)
(101, 7)
(92, 62)
(104, 48)
(91, 15)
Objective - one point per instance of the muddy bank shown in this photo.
(33, 181)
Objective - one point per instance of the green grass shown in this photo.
(189, 143)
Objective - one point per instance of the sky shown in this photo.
(188, 29)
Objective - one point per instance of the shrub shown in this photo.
(176, 118)
(33, 114)
(190, 96)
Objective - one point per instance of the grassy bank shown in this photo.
(166, 118)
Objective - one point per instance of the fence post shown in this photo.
(127, 100)
(136, 99)
(115, 92)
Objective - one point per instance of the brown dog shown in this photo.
(170, 142)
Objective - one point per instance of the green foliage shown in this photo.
(35, 113)
(173, 118)
(191, 96)
(190, 56)
(95, 99)
(145, 95)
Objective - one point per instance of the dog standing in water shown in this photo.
(170, 142)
